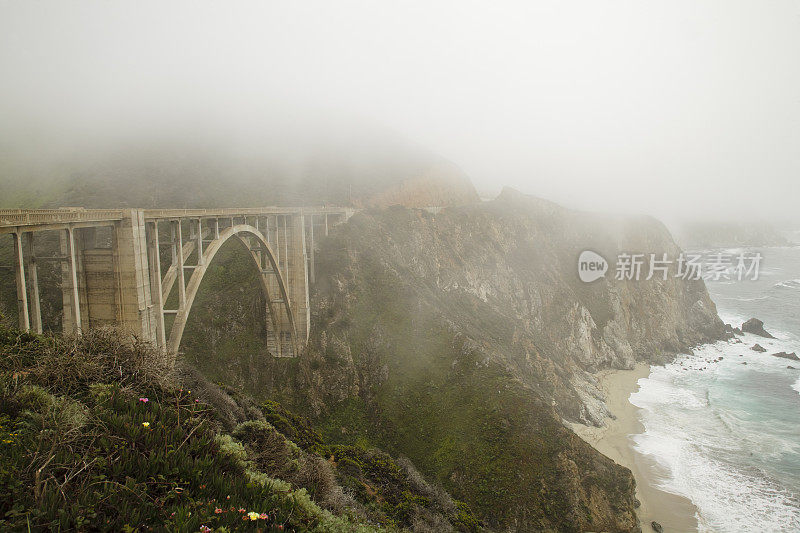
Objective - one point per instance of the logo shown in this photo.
(591, 266)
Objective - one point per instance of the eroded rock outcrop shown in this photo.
(756, 327)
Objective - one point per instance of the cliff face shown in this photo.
(464, 339)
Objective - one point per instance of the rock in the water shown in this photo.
(656, 527)
(756, 327)
(790, 367)
(758, 348)
(738, 331)
(784, 355)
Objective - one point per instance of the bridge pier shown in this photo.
(105, 286)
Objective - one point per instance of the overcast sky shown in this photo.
(672, 106)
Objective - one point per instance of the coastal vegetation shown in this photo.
(95, 434)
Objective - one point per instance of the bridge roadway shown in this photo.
(114, 265)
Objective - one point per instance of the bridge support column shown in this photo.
(156, 288)
(199, 241)
(311, 270)
(297, 267)
(22, 295)
(72, 282)
(278, 329)
(33, 283)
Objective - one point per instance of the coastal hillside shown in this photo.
(464, 340)
(97, 434)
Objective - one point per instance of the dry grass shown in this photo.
(70, 364)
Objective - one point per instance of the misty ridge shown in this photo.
(271, 165)
(281, 160)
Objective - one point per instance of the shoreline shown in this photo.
(673, 512)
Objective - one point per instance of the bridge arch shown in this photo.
(271, 278)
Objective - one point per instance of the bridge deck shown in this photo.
(15, 220)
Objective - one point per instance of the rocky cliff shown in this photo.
(464, 339)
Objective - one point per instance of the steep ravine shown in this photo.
(464, 340)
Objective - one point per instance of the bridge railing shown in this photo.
(28, 217)
(11, 218)
(240, 211)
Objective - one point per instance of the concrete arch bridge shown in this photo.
(122, 266)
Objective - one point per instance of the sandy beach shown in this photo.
(674, 513)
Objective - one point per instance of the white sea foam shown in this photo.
(723, 421)
(735, 319)
(700, 445)
(788, 284)
(756, 299)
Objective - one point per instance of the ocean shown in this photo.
(728, 433)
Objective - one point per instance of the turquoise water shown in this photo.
(728, 433)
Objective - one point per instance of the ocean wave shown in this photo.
(706, 443)
(728, 498)
(729, 317)
(660, 393)
(756, 299)
(788, 284)
(702, 465)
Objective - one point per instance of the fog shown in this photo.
(680, 108)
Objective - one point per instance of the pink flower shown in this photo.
(144, 400)
(263, 516)
(205, 529)
(242, 509)
(217, 510)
